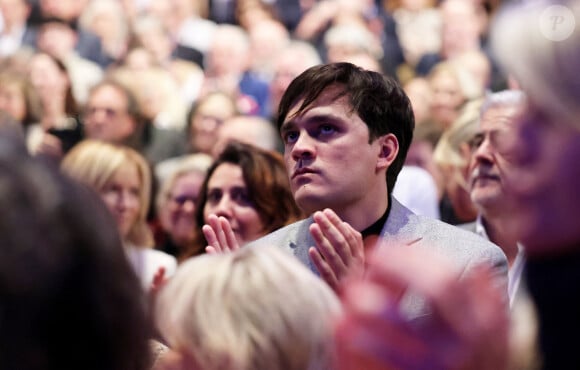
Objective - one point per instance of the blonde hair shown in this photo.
(256, 308)
(94, 163)
(467, 83)
(448, 151)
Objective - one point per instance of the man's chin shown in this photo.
(309, 201)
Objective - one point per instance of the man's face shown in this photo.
(488, 166)
(329, 160)
(106, 117)
(544, 182)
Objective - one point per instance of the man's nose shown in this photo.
(304, 147)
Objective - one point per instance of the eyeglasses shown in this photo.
(182, 199)
(110, 113)
(499, 141)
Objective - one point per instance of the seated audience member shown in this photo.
(346, 132)
(452, 157)
(18, 98)
(296, 57)
(256, 308)
(543, 185)
(107, 20)
(462, 30)
(227, 68)
(59, 128)
(87, 45)
(15, 27)
(419, 92)
(251, 130)
(268, 38)
(57, 38)
(122, 178)
(488, 171)
(69, 299)
(113, 114)
(176, 201)
(204, 119)
(247, 187)
(451, 87)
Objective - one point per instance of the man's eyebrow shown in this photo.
(287, 125)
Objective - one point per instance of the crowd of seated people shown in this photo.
(177, 138)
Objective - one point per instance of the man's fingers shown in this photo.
(333, 230)
(326, 272)
(328, 251)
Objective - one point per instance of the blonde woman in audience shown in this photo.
(255, 308)
(452, 155)
(451, 86)
(18, 97)
(123, 179)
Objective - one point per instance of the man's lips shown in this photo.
(485, 177)
(302, 171)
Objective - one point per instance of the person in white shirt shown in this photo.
(123, 179)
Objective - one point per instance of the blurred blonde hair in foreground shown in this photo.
(256, 308)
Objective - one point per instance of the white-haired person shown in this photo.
(254, 308)
(122, 177)
(176, 202)
(542, 55)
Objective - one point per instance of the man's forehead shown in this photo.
(330, 96)
(500, 117)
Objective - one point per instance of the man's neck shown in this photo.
(363, 214)
(499, 235)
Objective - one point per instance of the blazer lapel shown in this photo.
(398, 229)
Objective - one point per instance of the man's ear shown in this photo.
(389, 148)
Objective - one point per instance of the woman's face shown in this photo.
(227, 196)
(12, 101)
(46, 77)
(447, 98)
(122, 197)
(180, 220)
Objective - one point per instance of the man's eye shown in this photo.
(476, 141)
(290, 137)
(327, 129)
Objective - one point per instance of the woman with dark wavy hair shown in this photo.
(249, 187)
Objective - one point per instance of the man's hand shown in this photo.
(467, 328)
(219, 235)
(339, 250)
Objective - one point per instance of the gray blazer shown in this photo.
(403, 227)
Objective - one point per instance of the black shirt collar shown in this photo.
(377, 226)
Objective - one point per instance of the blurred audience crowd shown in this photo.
(141, 124)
